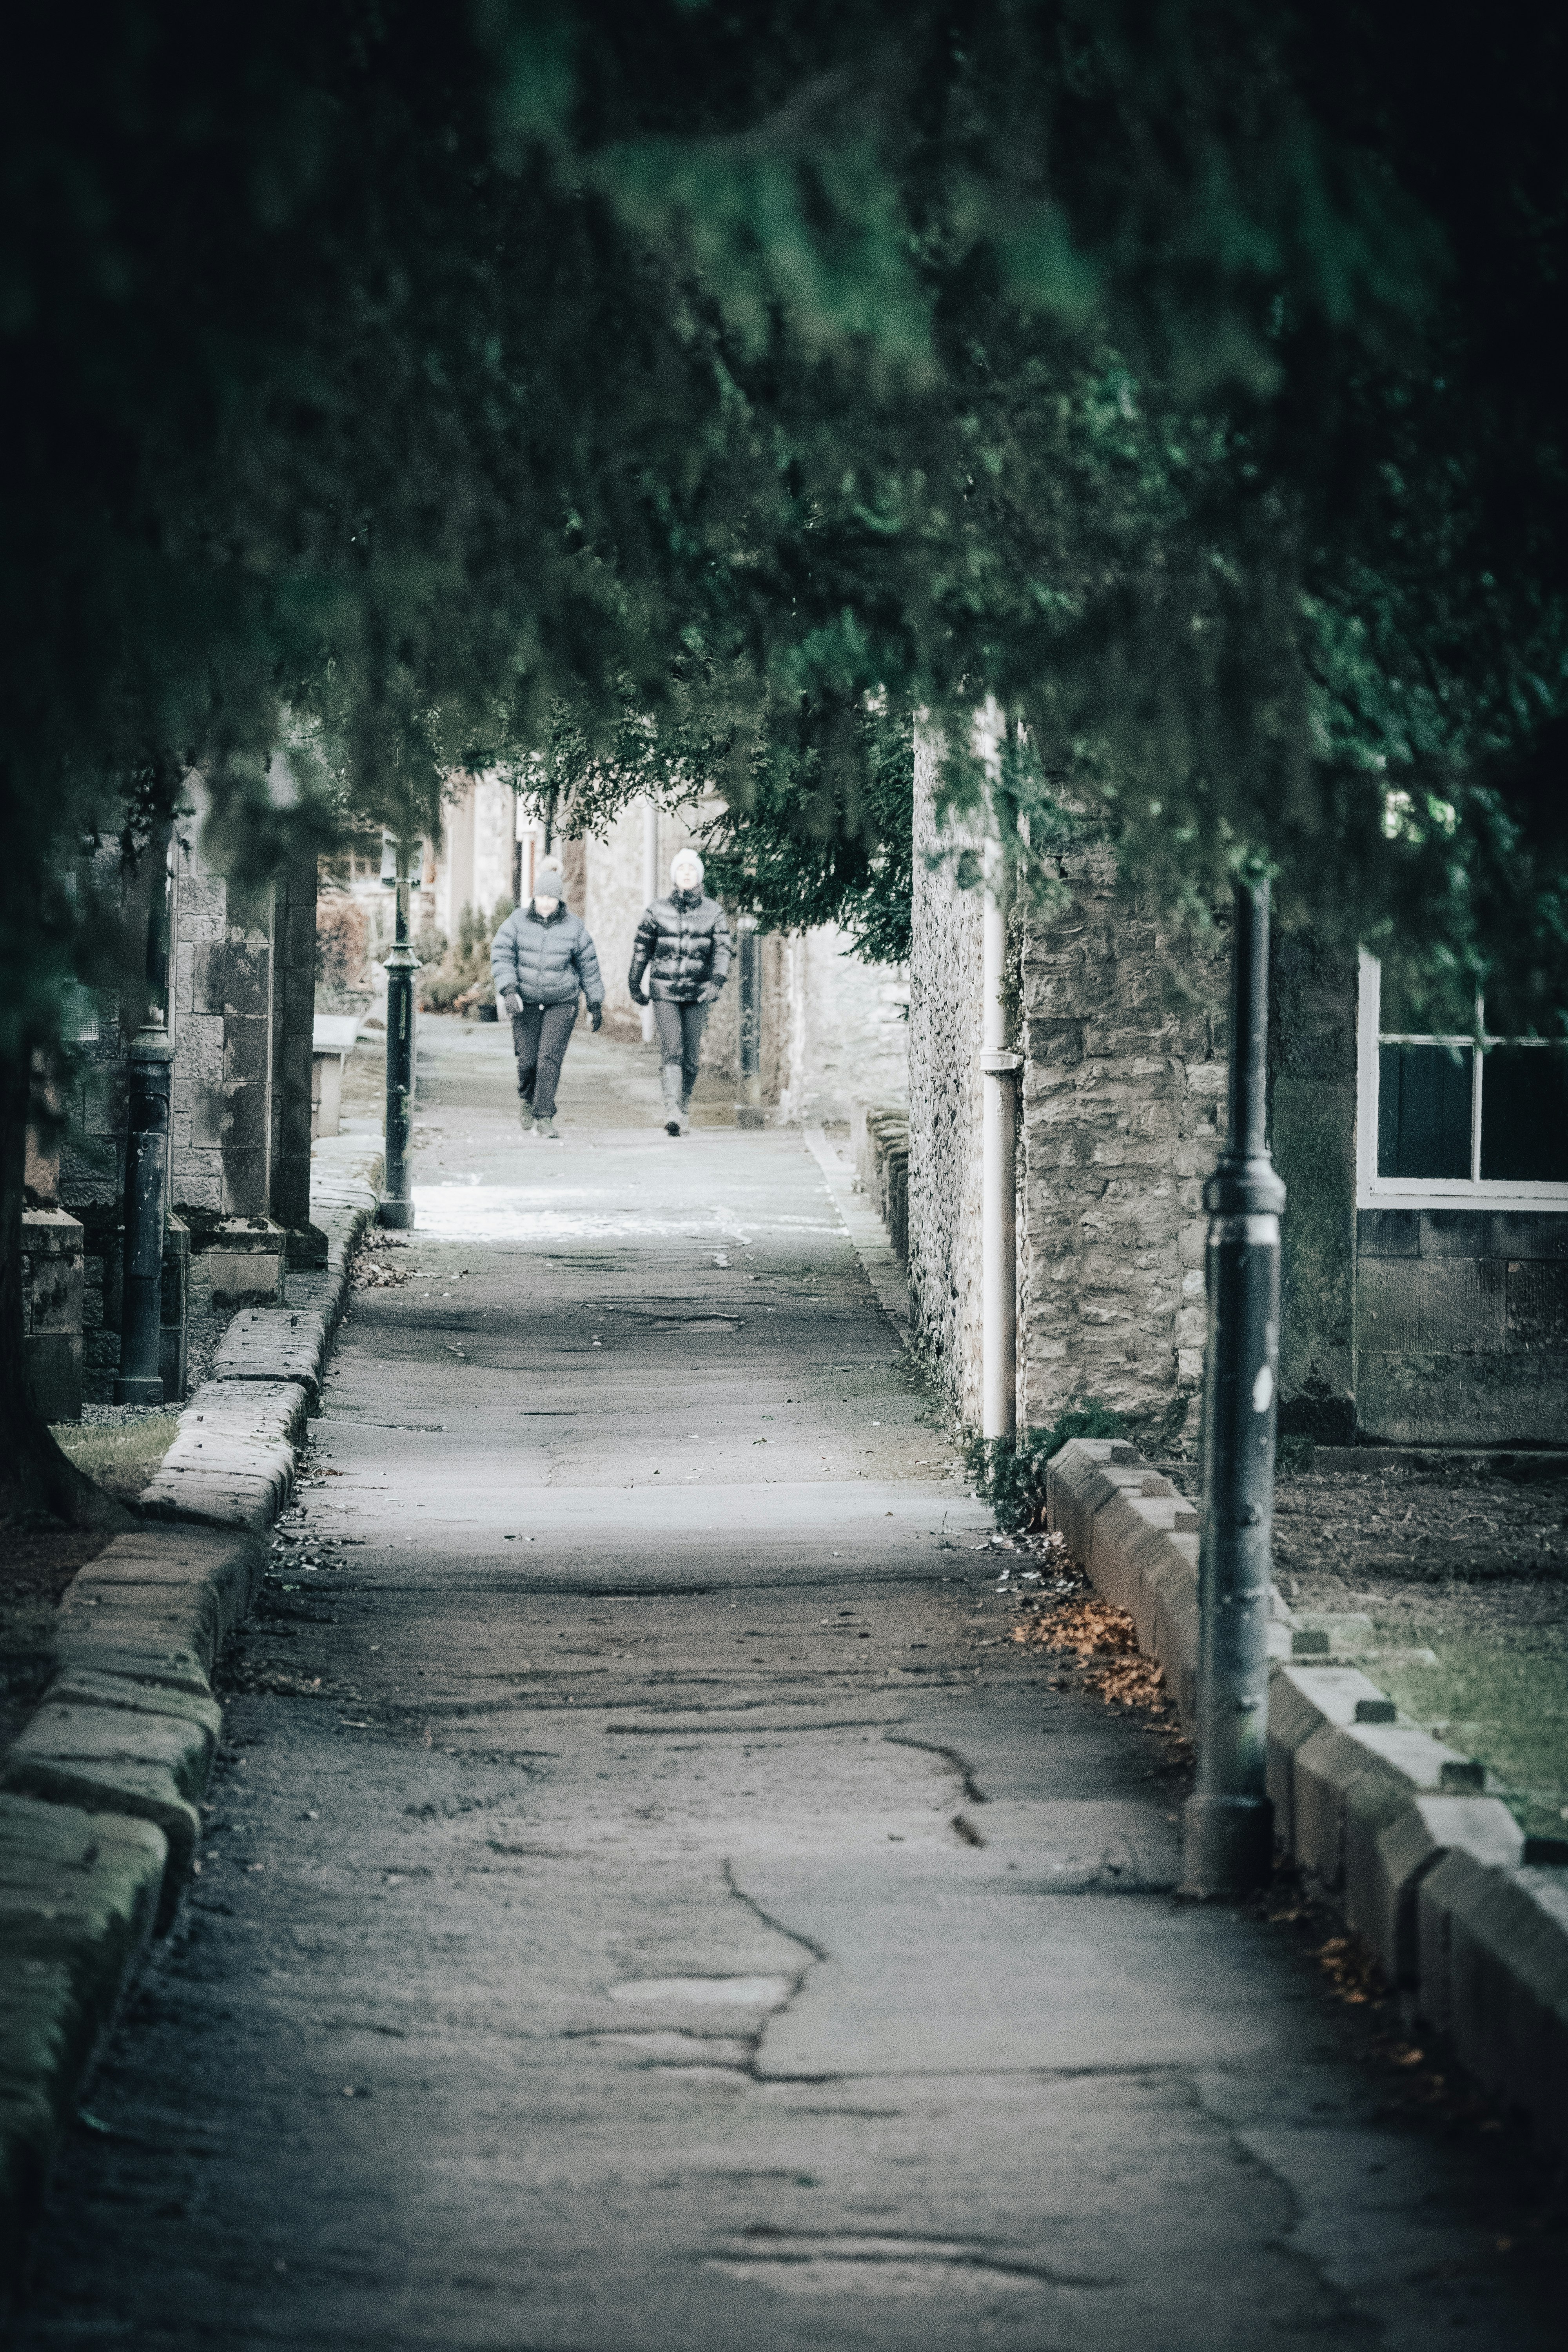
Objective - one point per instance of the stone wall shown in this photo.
(93, 1081)
(1461, 1326)
(1124, 1103)
(1311, 1120)
(849, 1035)
(944, 1083)
(293, 1021)
(196, 1120)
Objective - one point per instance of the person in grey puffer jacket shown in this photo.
(683, 946)
(543, 959)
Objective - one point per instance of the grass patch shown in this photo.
(1506, 1704)
(119, 1456)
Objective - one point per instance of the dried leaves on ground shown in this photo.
(1104, 1646)
(1060, 1613)
(375, 1268)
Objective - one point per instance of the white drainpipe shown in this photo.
(649, 888)
(999, 1139)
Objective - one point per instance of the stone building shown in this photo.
(1425, 1243)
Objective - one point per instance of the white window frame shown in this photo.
(1375, 1191)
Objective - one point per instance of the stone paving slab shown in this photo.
(79, 1897)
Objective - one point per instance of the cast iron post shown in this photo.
(748, 1110)
(139, 1380)
(1229, 1820)
(397, 1204)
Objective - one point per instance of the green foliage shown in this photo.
(821, 830)
(1010, 1473)
(464, 965)
(554, 386)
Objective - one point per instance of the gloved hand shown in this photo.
(639, 996)
(595, 1015)
(512, 1004)
(709, 993)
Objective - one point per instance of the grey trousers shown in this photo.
(680, 1028)
(540, 1036)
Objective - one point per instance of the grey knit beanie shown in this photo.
(549, 883)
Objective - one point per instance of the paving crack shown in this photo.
(817, 1951)
(971, 1786)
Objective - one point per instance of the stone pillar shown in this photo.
(293, 1031)
(222, 1126)
(51, 1308)
(238, 980)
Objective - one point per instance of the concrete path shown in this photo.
(674, 1920)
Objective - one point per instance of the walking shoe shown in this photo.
(549, 1131)
(672, 1126)
(685, 1128)
(525, 1118)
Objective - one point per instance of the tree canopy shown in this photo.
(1182, 375)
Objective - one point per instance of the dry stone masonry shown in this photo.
(1124, 1090)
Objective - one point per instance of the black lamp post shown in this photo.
(140, 1380)
(1229, 1820)
(396, 1204)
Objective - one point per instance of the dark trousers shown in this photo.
(540, 1036)
(680, 1028)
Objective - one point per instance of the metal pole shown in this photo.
(139, 1379)
(748, 1110)
(1229, 1820)
(397, 1204)
(649, 888)
(999, 1069)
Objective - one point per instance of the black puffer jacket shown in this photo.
(546, 959)
(683, 944)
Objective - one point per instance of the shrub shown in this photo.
(343, 934)
(1010, 1473)
(464, 969)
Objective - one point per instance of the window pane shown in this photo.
(1423, 1111)
(1524, 1115)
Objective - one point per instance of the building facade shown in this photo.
(1424, 1242)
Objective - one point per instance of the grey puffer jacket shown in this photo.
(683, 943)
(546, 959)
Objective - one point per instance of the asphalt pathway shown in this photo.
(645, 1907)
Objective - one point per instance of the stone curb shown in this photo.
(868, 1235)
(1391, 1825)
(100, 1792)
(78, 1898)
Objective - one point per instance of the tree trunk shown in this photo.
(35, 1476)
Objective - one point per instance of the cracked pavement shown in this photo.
(648, 1906)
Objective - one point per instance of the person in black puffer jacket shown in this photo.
(543, 959)
(683, 946)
